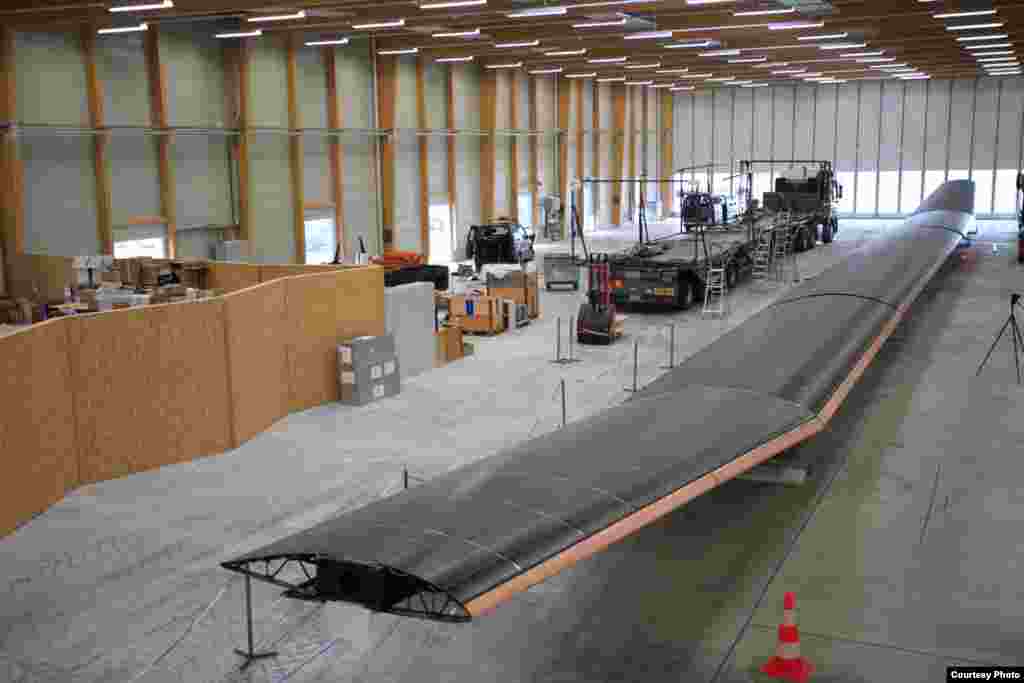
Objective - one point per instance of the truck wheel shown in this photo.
(826, 232)
(810, 238)
(731, 277)
(686, 294)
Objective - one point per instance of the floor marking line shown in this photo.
(931, 503)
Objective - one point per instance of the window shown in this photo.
(154, 247)
(910, 196)
(1006, 191)
(525, 209)
(982, 192)
(959, 174)
(440, 234)
(932, 181)
(888, 192)
(762, 184)
(845, 179)
(866, 186)
(320, 240)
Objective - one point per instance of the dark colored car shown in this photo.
(499, 242)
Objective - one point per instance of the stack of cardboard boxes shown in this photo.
(368, 369)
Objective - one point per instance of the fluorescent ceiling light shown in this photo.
(1007, 72)
(687, 77)
(457, 34)
(789, 71)
(380, 24)
(454, 60)
(644, 35)
(787, 25)
(166, 4)
(997, 59)
(612, 79)
(587, 75)
(240, 34)
(954, 15)
(971, 27)
(991, 36)
(607, 60)
(811, 75)
(749, 60)
(754, 85)
(663, 85)
(890, 67)
(879, 53)
(339, 41)
(123, 29)
(721, 79)
(639, 82)
(994, 53)
(759, 12)
(567, 53)
(707, 2)
(680, 88)
(829, 36)
(541, 72)
(739, 82)
(990, 46)
(527, 43)
(875, 60)
(599, 24)
(708, 29)
(509, 65)
(915, 77)
(771, 65)
(652, 65)
(538, 12)
(605, 3)
(453, 3)
(718, 53)
(676, 46)
(672, 71)
(301, 14)
(842, 46)
(401, 51)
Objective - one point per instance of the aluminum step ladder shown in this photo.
(763, 255)
(714, 291)
(784, 244)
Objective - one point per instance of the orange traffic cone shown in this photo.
(787, 664)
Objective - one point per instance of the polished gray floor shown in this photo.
(903, 549)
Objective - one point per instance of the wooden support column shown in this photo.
(295, 151)
(618, 147)
(488, 122)
(424, 149)
(595, 162)
(450, 123)
(631, 150)
(157, 75)
(236, 89)
(644, 131)
(580, 137)
(94, 90)
(513, 181)
(563, 145)
(334, 150)
(667, 151)
(387, 81)
(534, 153)
(12, 225)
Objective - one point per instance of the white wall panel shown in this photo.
(721, 126)
(762, 123)
(962, 104)
(846, 152)
(683, 144)
(783, 122)
(803, 132)
(892, 113)
(938, 125)
(407, 165)
(436, 81)
(355, 91)
(825, 121)
(914, 119)
(467, 150)
(703, 123)
(1011, 141)
(870, 120)
(985, 125)
(742, 148)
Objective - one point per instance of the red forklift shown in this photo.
(597, 321)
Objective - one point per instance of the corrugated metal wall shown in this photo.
(893, 142)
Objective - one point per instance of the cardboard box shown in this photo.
(519, 287)
(362, 351)
(368, 369)
(449, 344)
(477, 314)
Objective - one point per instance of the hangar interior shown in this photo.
(204, 206)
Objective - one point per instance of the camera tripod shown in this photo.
(1015, 335)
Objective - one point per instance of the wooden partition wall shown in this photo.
(99, 396)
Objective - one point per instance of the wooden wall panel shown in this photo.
(534, 155)
(12, 205)
(488, 122)
(229, 277)
(450, 124)
(423, 142)
(563, 147)
(323, 310)
(295, 152)
(257, 359)
(151, 387)
(618, 147)
(513, 180)
(37, 431)
(667, 153)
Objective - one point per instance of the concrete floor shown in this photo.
(902, 549)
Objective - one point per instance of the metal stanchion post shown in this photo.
(405, 477)
(572, 327)
(251, 655)
(563, 402)
(636, 362)
(671, 348)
